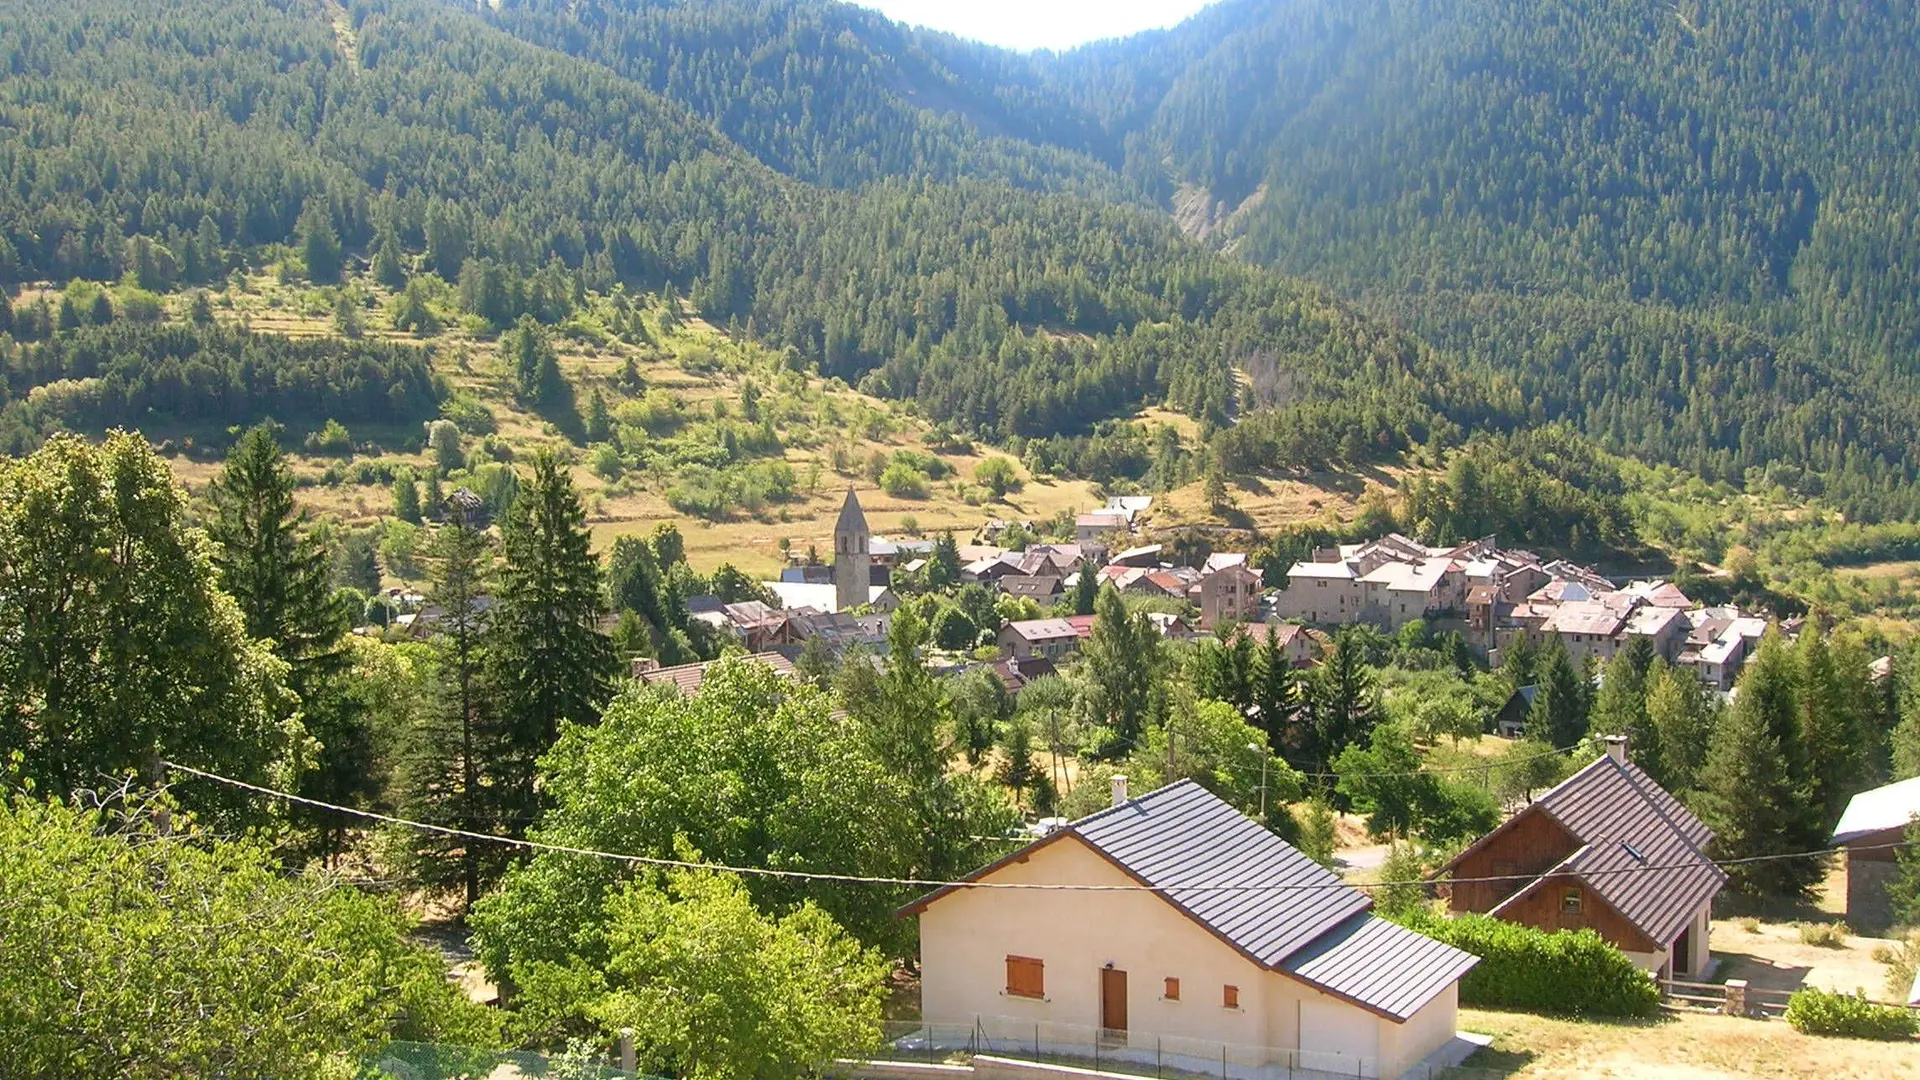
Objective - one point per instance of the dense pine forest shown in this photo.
(1677, 230)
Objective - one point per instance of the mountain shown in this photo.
(1752, 158)
(1681, 232)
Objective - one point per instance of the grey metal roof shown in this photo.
(1384, 965)
(1626, 821)
(1184, 835)
(1186, 842)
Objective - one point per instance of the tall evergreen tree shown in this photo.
(1829, 732)
(1620, 708)
(943, 567)
(445, 760)
(319, 244)
(1682, 723)
(280, 574)
(1754, 787)
(1273, 691)
(1346, 703)
(1086, 590)
(1559, 710)
(1124, 659)
(546, 657)
(1520, 663)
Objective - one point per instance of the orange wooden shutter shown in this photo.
(1026, 977)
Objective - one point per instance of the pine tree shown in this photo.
(281, 578)
(1754, 791)
(1123, 658)
(1682, 722)
(1559, 711)
(319, 244)
(1273, 691)
(1829, 732)
(388, 269)
(599, 422)
(943, 568)
(434, 500)
(546, 657)
(444, 758)
(1520, 663)
(1346, 705)
(1086, 590)
(1018, 770)
(1620, 708)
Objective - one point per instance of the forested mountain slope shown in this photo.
(1751, 156)
(836, 94)
(206, 130)
(969, 229)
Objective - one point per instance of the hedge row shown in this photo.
(1567, 973)
(1813, 1011)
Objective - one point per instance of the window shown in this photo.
(1570, 902)
(1230, 997)
(1026, 977)
(1173, 990)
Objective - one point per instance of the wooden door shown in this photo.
(1113, 999)
(1681, 958)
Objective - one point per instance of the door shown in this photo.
(1113, 1001)
(1682, 955)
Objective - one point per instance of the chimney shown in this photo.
(1119, 791)
(1616, 748)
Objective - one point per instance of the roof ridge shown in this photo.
(1653, 804)
(1108, 811)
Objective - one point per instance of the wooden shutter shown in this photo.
(1173, 990)
(1026, 977)
(1230, 997)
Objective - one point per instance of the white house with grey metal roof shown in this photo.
(1172, 925)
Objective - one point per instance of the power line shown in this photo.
(921, 883)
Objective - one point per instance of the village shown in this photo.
(1490, 596)
(1212, 946)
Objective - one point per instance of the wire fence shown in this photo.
(1165, 1057)
(436, 1061)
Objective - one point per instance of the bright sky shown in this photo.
(1038, 24)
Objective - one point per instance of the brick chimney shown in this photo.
(1616, 747)
(1119, 791)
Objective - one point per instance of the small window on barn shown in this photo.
(1173, 990)
(1570, 902)
(1230, 997)
(1026, 977)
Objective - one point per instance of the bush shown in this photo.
(332, 440)
(1902, 960)
(1567, 973)
(998, 475)
(1824, 935)
(1813, 1011)
(903, 481)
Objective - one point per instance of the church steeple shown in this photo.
(852, 561)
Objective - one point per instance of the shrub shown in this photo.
(1813, 1011)
(1902, 960)
(332, 440)
(1824, 935)
(903, 481)
(1567, 973)
(1750, 924)
(998, 475)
